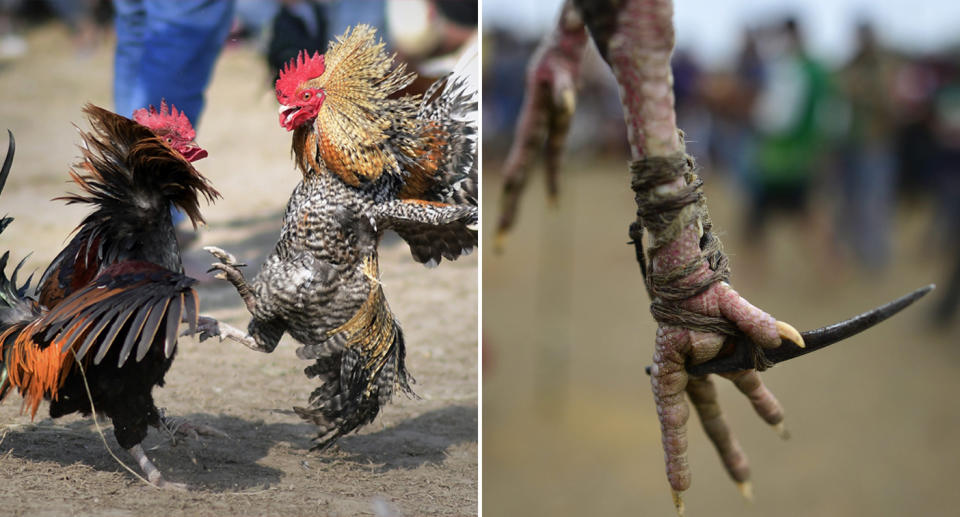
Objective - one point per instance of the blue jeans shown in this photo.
(868, 181)
(166, 50)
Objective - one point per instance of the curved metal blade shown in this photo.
(8, 161)
(744, 357)
(4, 172)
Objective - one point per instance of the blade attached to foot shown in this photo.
(744, 355)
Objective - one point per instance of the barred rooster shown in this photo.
(370, 162)
(102, 330)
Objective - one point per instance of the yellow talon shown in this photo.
(781, 430)
(568, 101)
(499, 240)
(677, 501)
(786, 331)
(746, 490)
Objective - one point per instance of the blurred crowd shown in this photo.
(421, 31)
(837, 147)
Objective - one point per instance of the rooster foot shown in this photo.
(179, 427)
(223, 256)
(206, 328)
(228, 268)
(549, 102)
(151, 471)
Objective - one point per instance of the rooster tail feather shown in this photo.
(17, 311)
(22, 364)
(15, 307)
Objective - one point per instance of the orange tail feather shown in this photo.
(37, 373)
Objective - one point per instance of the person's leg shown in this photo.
(182, 42)
(878, 193)
(130, 21)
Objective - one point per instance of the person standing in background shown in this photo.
(787, 115)
(298, 25)
(867, 177)
(166, 50)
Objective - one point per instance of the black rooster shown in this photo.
(102, 330)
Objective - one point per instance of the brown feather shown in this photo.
(372, 330)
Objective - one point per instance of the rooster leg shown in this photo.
(229, 269)
(150, 470)
(548, 107)
(687, 271)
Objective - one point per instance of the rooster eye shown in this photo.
(169, 140)
(306, 96)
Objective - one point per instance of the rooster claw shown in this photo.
(206, 328)
(745, 357)
(788, 333)
(228, 268)
(225, 257)
(228, 272)
(179, 427)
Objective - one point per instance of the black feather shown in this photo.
(150, 328)
(174, 312)
(95, 333)
(136, 327)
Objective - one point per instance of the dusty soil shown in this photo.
(569, 426)
(419, 457)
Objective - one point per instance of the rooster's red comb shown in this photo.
(167, 118)
(299, 69)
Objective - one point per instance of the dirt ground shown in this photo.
(418, 458)
(569, 426)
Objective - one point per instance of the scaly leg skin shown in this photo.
(636, 37)
(762, 399)
(545, 116)
(150, 470)
(675, 345)
(703, 396)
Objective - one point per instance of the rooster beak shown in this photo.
(743, 354)
(193, 152)
(286, 114)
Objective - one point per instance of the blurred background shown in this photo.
(419, 457)
(828, 135)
